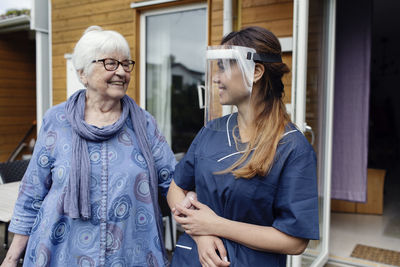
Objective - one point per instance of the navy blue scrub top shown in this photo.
(286, 198)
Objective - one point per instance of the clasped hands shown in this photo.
(199, 221)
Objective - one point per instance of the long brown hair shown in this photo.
(270, 116)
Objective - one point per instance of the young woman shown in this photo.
(254, 173)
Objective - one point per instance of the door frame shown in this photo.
(299, 82)
(325, 167)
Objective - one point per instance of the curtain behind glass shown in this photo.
(351, 108)
(158, 76)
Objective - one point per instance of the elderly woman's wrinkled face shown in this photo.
(106, 83)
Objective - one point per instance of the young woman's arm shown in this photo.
(203, 221)
(14, 252)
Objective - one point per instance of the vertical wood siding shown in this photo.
(276, 16)
(17, 89)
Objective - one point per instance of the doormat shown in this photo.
(385, 256)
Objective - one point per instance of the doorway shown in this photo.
(382, 231)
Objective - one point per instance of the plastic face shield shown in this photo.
(229, 82)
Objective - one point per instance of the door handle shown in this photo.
(308, 129)
(200, 89)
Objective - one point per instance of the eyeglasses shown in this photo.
(111, 64)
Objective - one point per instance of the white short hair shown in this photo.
(96, 42)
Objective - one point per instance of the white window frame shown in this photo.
(143, 17)
(73, 82)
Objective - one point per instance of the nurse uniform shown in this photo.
(286, 198)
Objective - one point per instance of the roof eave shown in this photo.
(13, 24)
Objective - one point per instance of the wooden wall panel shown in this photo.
(272, 12)
(17, 89)
(215, 21)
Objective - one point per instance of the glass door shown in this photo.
(173, 43)
(312, 104)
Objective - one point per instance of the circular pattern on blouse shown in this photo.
(42, 256)
(143, 219)
(115, 154)
(93, 182)
(60, 173)
(37, 221)
(50, 139)
(142, 188)
(114, 237)
(95, 156)
(61, 117)
(157, 152)
(151, 260)
(125, 138)
(85, 237)
(120, 208)
(119, 180)
(32, 205)
(85, 261)
(61, 258)
(164, 174)
(118, 262)
(66, 148)
(60, 231)
(138, 158)
(43, 160)
(140, 246)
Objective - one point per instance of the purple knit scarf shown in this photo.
(77, 198)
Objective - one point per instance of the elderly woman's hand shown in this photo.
(186, 202)
(17, 247)
(198, 221)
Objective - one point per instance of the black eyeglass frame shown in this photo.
(131, 63)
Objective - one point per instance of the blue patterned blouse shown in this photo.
(122, 230)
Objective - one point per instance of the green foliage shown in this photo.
(16, 12)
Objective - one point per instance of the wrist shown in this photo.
(10, 258)
(195, 237)
(219, 226)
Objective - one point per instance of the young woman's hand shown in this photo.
(198, 221)
(207, 247)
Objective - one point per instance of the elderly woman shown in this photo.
(89, 195)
